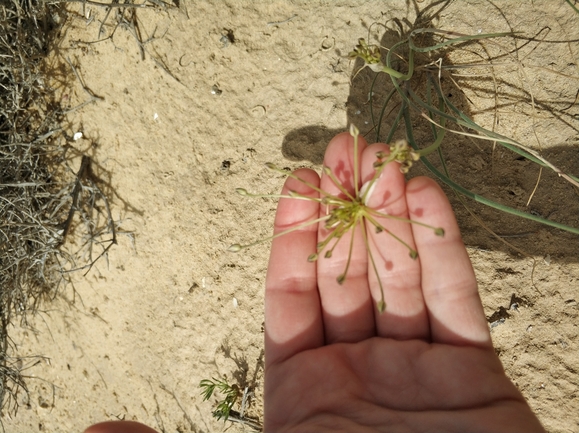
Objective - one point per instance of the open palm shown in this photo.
(333, 363)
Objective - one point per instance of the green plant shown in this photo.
(349, 210)
(418, 93)
(573, 6)
(229, 392)
(224, 407)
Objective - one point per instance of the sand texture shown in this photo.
(219, 89)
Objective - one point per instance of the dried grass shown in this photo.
(49, 192)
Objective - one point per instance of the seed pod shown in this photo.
(381, 305)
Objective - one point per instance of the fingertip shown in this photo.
(345, 138)
(389, 187)
(299, 180)
(339, 150)
(425, 187)
(304, 174)
(428, 203)
(120, 427)
(292, 211)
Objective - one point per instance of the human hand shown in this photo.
(333, 363)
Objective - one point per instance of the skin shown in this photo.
(333, 363)
(119, 427)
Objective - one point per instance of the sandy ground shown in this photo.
(233, 87)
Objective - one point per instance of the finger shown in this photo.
(347, 307)
(405, 316)
(448, 283)
(119, 427)
(293, 320)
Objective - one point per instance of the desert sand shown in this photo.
(219, 89)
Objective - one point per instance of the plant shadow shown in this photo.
(480, 166)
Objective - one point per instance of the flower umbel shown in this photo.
(369, 53)
(345, 211)
(400, 152)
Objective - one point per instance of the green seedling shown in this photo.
(229, 392)
(346, 211)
